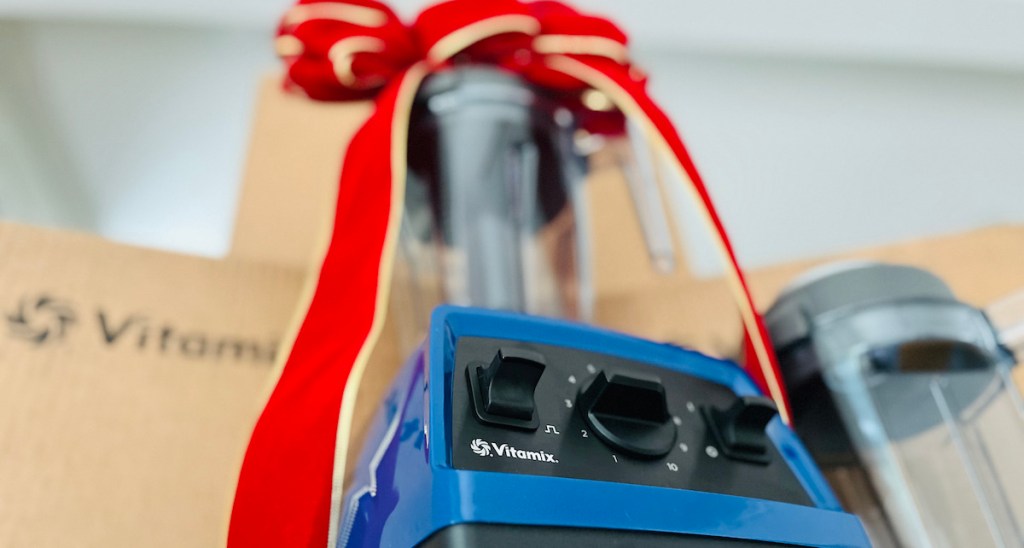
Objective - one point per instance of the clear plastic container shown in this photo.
(495, 209)
(494, 192)
(930, 427)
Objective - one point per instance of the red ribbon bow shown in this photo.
(343, 51)
(290, 485)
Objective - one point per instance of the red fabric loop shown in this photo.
(337, 51)
(485, 25)
(561, 23)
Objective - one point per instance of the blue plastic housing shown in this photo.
(405, 488)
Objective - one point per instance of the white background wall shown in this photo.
(819, 126)
(136, 131)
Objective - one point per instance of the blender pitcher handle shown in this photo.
(641, 172)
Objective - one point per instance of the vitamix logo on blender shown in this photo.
(481, 447)
(45, 320)
(485, 448)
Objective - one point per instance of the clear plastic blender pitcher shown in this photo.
(904, 396)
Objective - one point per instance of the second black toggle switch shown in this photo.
(740, 430)
(502, 391)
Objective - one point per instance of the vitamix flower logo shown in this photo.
(41, 319)
(490, 449)
(481, 447)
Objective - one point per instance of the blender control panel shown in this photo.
(535, 409)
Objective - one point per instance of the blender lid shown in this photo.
(832, 287)
(452, 89)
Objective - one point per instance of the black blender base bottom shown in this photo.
(491, 535)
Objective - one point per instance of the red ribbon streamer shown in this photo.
(358, 49)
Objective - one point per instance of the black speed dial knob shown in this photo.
(628, 413)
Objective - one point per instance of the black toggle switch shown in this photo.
(502, 391)
(629, 414)
(740, 430)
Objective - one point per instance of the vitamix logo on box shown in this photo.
(44, 320)
(41, 319)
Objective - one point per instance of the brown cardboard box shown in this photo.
(291, 174)
(129, 382)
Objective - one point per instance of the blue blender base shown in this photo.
(613, 443)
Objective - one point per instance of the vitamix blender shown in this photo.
(505, 429)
